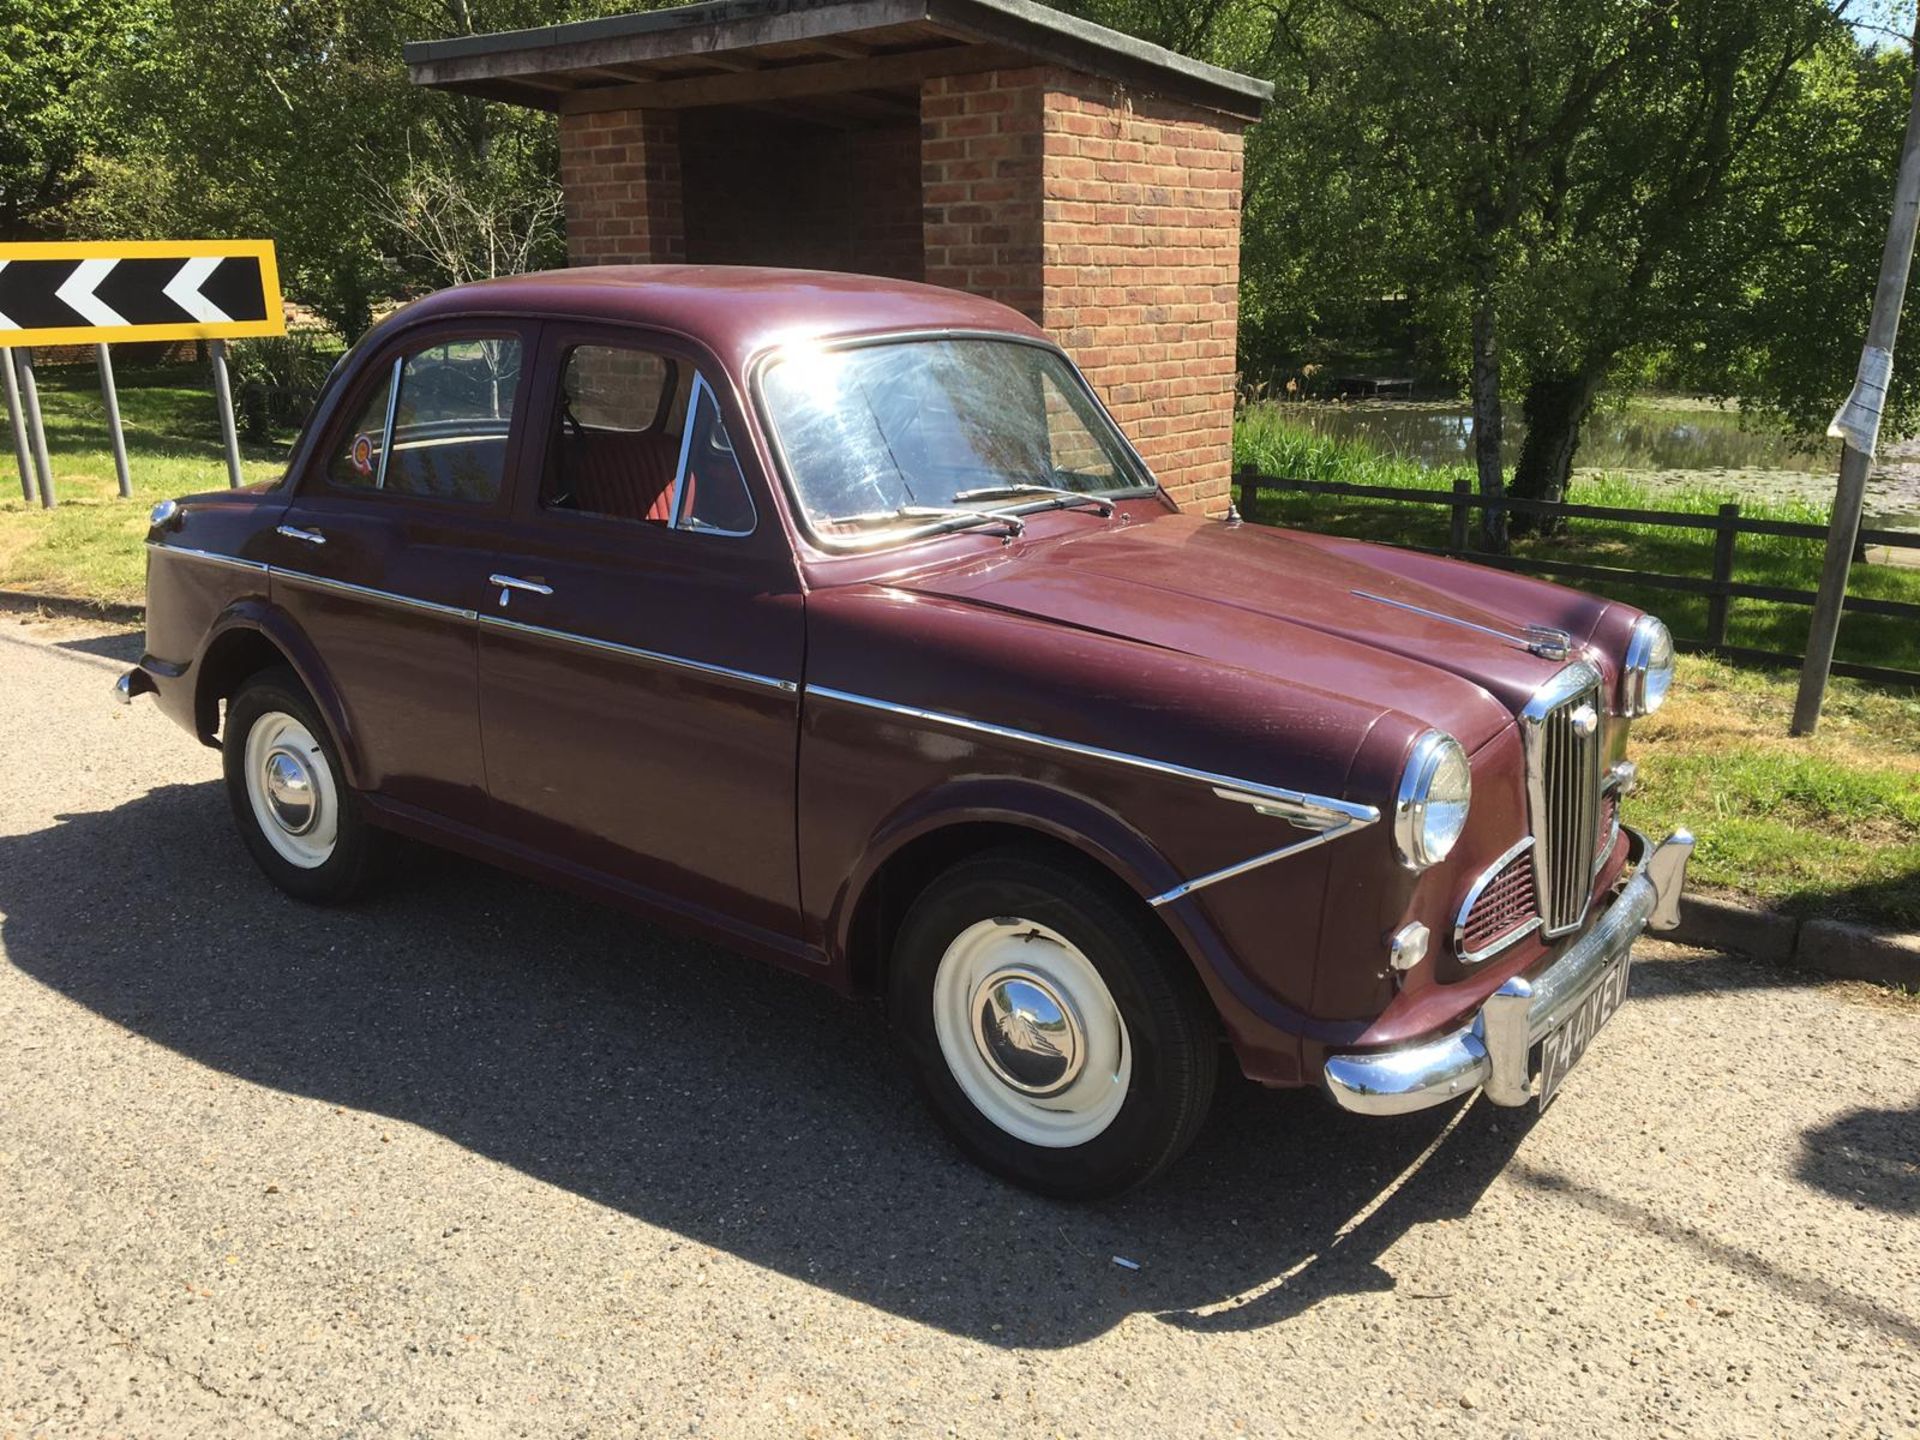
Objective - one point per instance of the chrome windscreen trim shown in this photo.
(364, 592)
(651, 657)
(1486, 878)
(1328, 817)
(207, 555)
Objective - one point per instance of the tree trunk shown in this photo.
(1484, 384)
(1555, 408)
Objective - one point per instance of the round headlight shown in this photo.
(1649, 669)
(1434, 795)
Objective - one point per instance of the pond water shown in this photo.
(1668, 444)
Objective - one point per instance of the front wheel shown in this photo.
(300, 822)
(1058, 1036)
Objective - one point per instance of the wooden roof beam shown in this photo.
(789, 82)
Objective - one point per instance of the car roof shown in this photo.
(737, 310)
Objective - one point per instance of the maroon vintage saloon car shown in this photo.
(834, 619)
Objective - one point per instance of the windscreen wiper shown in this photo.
(1064, 499)
(955, 517)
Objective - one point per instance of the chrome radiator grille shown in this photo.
(1562, 728)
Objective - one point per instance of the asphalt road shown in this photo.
(478, 1159)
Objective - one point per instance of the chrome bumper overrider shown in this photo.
(1492, 1052)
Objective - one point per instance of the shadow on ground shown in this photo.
(1867, 1157)
(738, 1106)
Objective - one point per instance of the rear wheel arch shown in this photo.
(244, 645)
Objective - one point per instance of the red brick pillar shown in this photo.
(620, 170)
(1112, 219)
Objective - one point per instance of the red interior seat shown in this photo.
(623, 473)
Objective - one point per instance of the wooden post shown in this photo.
(1717, 603)
(223, 392)
(110, 394)
(1461, 514)
(17, 422)
(36, 428)
(1859, 422)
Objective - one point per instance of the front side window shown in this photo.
(438, 428)
(638, 437)
(883, 436)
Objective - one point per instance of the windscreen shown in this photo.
(871, 432)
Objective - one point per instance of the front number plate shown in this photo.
(1562, 1049)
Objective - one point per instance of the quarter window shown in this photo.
(438, 429)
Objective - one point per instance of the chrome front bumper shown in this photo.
(1492, 1052)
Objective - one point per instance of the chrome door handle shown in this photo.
(509, 583)
(294, 532)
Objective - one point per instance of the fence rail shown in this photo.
(1720, 589)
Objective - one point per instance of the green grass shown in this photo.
(1275, 444)
(89, 546)
(1822, 826)
(1826, 826)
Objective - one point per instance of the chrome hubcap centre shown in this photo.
(287, 783)
(1027, 1033)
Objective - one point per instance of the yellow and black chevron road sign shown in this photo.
(100, 291)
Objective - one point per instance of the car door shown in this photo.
(383, 556)
(641, 645)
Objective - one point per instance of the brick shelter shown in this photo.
(1085, 178)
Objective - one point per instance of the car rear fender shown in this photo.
(235, 634)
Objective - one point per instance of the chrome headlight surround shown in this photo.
(1647, 675)
(1436, 792)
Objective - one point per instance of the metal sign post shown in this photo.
(1858, 423)
(112, 398)
(223, 391)
(17, 423)
(98, 292)
(36, 427)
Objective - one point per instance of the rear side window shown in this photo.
(438, 429)
(638, 437)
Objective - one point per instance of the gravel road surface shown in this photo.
(475, 1158)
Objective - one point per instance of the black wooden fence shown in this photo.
(1720, 589)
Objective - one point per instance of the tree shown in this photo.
(1784, 277)
(296, 120)
(1703, 139)
(51, 55)
(1559, 188)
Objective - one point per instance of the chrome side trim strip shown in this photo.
(1328, 817)
(207, 555)
(432, 607)
(363, 592)
(1215, 877)
(1487, 876)
(1339, 810)
(652, 657)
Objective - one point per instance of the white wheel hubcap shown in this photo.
(295, 801)
(1031, 1033)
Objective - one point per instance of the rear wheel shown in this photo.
(299, 821)
(1059, 1038)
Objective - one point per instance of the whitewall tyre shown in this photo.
(300, 822)
(1059, 1036)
